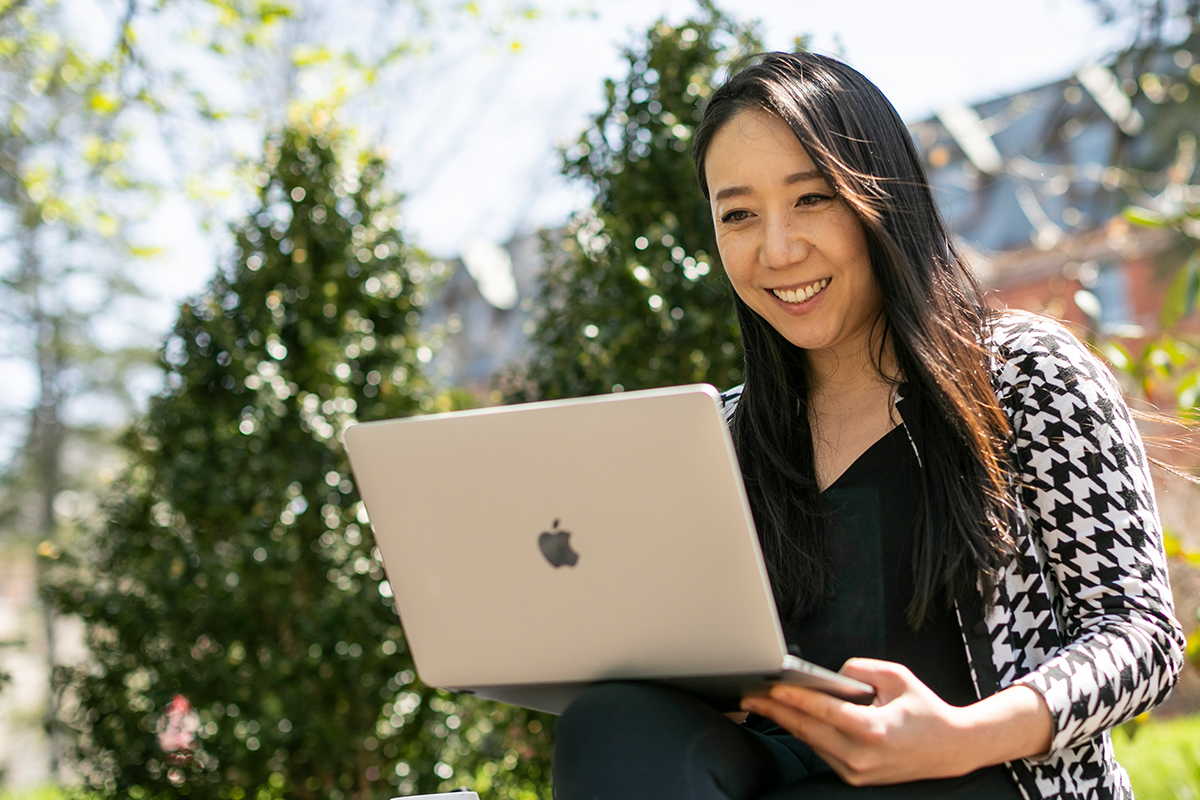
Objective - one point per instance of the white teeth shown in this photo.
(792, 296)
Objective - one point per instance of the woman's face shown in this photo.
(794, 251)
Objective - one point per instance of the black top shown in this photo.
(875, 503)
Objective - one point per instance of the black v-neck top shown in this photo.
(875, 503)
(876, 508)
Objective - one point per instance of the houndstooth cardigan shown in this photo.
(1084, 614)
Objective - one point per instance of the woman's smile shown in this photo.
(799, 295)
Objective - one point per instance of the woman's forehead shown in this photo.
(757, 146)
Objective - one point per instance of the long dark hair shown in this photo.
(932, 318)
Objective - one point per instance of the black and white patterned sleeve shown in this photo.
(1090, 508)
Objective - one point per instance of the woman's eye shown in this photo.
(735, 216)
(813, 199)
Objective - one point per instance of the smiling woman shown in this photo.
(953, 503)
(796, 255)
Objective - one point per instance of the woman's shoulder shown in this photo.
(1027, 346)
(1014, 333)
(1039, 363)
(729, 400)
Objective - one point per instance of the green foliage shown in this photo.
(1162, 758)
(1157, 169)
(86, 113)
(45, 793)
(1180, 300)
(1170, 360)
(1176, 549)
(632, 297)
(237, 568)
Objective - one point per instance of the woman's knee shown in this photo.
(605, 711)
(639, 740)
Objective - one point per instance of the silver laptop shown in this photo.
(537, 549)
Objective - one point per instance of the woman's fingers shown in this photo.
(889, 678)
(816, 717)
(819, 705)
(909, 733)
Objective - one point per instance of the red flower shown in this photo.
(177, 729)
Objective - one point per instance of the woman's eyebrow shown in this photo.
(806, 175)
(731, 191)
(799, 177)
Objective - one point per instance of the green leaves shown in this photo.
(1145, 217)
(1168, 363)
(1180, 299)
(237, 567)
(632, 297)
(1117, 354)
(1175, 549)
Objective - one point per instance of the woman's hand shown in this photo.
(908, 733)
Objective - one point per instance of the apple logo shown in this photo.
(556, 547)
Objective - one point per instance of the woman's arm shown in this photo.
(909, 733)
(1093, 525)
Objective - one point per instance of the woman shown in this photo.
(958, 495)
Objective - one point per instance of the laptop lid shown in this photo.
(569, 541)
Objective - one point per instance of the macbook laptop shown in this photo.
(536, 549)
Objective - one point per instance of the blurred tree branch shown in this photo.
(1156, 26)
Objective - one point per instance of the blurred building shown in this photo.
(478, 319)
(1029, 190)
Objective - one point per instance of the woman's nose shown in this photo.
(785, 244)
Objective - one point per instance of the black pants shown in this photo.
(629, 741)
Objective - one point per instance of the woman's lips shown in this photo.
(802, 293)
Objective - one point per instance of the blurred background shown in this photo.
(229, 228)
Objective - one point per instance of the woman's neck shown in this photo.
(850, 405)
(864, 365)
